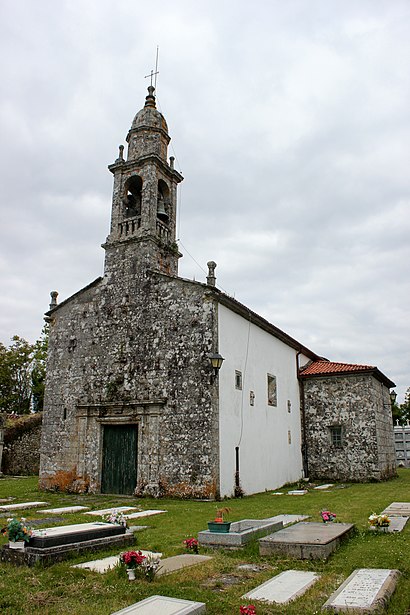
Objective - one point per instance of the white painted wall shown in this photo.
(267, 460)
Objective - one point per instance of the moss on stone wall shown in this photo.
(21, 455)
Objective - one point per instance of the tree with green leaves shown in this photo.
(405, 409)
(22, 374)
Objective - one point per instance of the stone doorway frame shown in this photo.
(91, 419)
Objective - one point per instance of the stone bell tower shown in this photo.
(144, 203)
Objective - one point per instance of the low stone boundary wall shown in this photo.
(21, 453)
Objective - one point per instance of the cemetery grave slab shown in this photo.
(21, 506)
(57, 543)
(298, 492)
(397, 509)
(397, 524)
(106, 563)
(284, 587)
(79, 532)
(144, 513)
(64, 509)
(306, 540)
(161, 605)
(35, 522)
(289, 519)
(108, 511)
(137, 528)
(365, 591)
(324, 487)
(240, 533)
(177, 562)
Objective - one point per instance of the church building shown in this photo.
(159, 385)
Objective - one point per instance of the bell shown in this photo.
(161, 213)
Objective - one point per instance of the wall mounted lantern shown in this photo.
(393, 397)
(216, 362)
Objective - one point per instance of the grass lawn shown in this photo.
(61, 589)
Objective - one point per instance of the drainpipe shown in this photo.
(303, 418)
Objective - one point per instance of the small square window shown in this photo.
(272, 393)
(251, 398)
(238, 380)
(336, 436)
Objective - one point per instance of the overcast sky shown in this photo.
(289, 121)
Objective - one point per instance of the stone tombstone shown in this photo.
(364, 591)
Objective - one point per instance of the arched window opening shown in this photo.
(132, 196)
(163, 202)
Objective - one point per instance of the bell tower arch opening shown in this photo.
(132, 196)
(163, 201)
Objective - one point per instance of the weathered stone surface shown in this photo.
(63, 510)
(21, 456)
(398, 509)
(20, 506)
(397, 524)
(156, 605)
(306, 540)
(363, 411)
(177, 562)
(284, 587)
(144, 513)
(107, 511)
(365, 591)
(289, 519)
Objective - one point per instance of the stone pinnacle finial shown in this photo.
(211, 279)
(150, 99)
(120, 154)
(53, 295)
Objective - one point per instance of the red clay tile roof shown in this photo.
(322, 368)
(328, 367)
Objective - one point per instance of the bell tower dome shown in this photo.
(143, 217)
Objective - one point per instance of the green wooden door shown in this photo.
(119, 463)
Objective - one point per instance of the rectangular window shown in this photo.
(336, 436)
(238, 380)
(272, 393)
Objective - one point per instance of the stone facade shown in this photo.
(143, 360)
(360, 405)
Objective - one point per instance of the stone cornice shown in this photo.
(130, 165)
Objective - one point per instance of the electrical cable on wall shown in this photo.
(244, 377)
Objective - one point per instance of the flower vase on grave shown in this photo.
(17, 544)
(131, 574)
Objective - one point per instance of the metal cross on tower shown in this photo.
(154, 73)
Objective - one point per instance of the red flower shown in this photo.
(132, 559)
(248, 609)
(192, 544)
